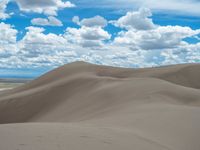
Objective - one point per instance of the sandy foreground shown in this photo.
(81, 106)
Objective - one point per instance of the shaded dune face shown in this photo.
(158, 108)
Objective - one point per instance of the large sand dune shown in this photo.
(81, 106)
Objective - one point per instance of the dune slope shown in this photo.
(85, 106)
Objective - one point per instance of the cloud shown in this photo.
(7, 34)
(134, 46)
(88, 33)
(138, 20)
(35, 42)
(51, 21)
(161, 37)
(96, 21)
(47, 7)
(37, 49)
(8, 46)
(91, 32)
(3, 14)
(87, 36)
(189, 53)
(142, 33)
(183, 7)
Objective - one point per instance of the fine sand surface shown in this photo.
(81, 106)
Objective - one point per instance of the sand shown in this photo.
(81, 106)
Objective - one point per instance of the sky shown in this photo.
(37, 36)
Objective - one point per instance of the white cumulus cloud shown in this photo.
(7, 40)
(87, 36)
(48, 7)
(90, 34)
(138, 20)
(50, 21)
(3, 5)
(97, 21)
(159, 38)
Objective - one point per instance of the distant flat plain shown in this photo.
(9, 83)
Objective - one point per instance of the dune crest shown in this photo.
(86, 106)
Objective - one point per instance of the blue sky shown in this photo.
(38, 35)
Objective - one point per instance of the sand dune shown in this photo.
(81, 106)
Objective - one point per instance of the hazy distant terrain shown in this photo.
(81, 106)
(11, 83)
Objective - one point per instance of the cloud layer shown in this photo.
(139, 43)
(184, 7)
